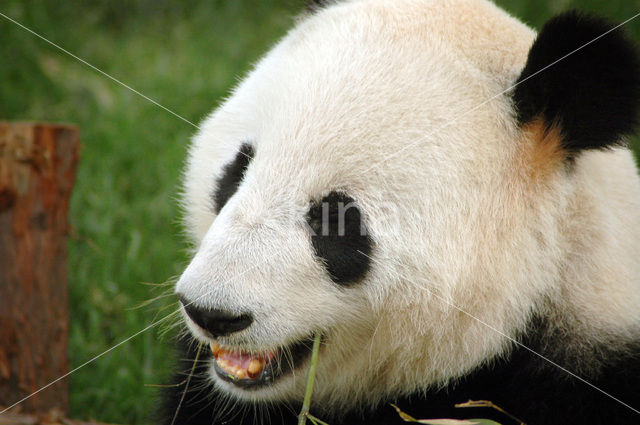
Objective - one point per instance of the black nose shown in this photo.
(216, 322)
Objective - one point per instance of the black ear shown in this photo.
(582, 77)
(313, 5)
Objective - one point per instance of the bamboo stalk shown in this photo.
(304, 412)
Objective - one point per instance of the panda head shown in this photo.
(376, 179)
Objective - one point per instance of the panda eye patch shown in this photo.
(339, 238)
(232, 176)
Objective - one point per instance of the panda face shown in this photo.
(332, 191)
(323, 235)
(369, 181)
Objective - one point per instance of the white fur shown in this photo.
(389, 101)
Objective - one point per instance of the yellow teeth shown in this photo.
(234, 371)
(255, 366)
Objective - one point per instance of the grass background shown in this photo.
(125, 219)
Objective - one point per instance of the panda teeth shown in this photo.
(254, 368)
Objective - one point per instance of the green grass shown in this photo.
(186, 56)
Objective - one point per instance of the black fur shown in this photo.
(522, 383)
(197, 406)
(313, 5)
(340, 238)
(593, 94)
(228, 184)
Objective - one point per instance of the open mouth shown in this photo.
(250, 370)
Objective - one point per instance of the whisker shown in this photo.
(184, 393)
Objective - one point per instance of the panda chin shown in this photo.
(254, 370)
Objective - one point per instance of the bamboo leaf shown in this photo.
(408, 418)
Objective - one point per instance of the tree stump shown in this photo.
(37, 170)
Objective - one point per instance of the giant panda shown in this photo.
(442, 195)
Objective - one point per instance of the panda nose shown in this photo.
(216, 322)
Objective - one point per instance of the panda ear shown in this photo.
(313, 5)
(581, 80)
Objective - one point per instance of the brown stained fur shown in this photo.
(543, 154)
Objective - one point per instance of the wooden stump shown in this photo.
(37, 170)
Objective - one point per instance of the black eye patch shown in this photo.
(339, 237)
(231, 177)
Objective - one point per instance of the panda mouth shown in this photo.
(252, 370)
